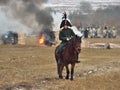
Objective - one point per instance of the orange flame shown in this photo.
(42, 39)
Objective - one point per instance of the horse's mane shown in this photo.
(70, 43)
(72, 39)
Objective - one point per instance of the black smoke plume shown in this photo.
(31, 13)
(2, 2)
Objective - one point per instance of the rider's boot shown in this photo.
(77, 61)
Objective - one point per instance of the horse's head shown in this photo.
(76, 43)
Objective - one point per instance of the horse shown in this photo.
(69, 56)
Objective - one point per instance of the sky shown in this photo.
(54, 1)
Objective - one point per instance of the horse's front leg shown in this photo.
(72, 70)
(60, 72)
(58, 68)
(67, 71)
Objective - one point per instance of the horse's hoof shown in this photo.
(61, 77)
(71, 79)
(67, 78)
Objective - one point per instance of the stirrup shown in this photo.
(77, 61)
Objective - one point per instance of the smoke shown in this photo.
(46, 18)
(2, 2)
(30, 13)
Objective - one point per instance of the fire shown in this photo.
(42, 39)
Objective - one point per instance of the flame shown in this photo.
(42, 39)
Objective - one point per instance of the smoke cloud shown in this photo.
(30, 13)
(2, 2)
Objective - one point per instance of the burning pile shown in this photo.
(42, 39)
(46, 37)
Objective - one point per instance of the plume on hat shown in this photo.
(65, 21)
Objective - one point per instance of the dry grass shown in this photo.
(34, 67)
(104, 40)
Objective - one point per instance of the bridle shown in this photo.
(73, 42)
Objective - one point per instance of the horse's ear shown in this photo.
(80, 36)
(76, 36)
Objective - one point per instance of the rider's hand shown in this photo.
(68, 39)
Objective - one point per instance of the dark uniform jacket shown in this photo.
(64, 34)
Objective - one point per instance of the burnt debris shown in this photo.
(10, 37)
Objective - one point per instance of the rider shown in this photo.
(65, 35)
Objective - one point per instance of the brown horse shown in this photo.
(69, 56)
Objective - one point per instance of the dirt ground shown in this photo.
(33, 67)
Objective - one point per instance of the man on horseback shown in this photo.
(65, 35)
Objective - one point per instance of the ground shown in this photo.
(33, 67)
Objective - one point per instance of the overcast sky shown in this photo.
(55, 1)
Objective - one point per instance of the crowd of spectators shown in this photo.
(98, 32)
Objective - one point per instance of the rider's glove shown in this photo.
(67, 39)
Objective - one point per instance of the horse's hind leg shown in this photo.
(67, 71)
(72, 71)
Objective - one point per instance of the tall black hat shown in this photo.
(65, 21)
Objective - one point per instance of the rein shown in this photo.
(71, 43)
